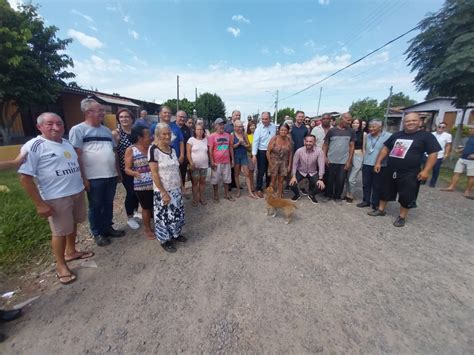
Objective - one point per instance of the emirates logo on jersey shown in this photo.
(67, 155)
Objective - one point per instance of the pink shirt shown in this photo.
(309, 162)
(219, 147)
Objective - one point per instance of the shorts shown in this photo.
(68, 211)
(279, 168)
(200, 172)
(241, 160)
(405, 184)
(222, 173)
(145, 197)
(464, 164)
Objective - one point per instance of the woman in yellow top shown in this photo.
(250, 130)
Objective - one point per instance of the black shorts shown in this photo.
(145, 198)
(405, 184)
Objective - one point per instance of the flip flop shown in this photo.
(216, 200)
(230, 198)
(203, 202)
(194, 203)
(81, 255)
(469, 197)
(71, 276)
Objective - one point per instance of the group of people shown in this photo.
(153, 161)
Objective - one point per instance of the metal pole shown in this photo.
(276, 108)
(177, 93)
(195, 94)
(319, 101)
(388, 108)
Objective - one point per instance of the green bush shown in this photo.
(24, 237)
(465, 131)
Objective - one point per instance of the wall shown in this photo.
(9, 152)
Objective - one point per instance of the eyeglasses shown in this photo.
(441, 126)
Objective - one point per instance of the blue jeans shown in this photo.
(101, 203)
(371, 185)
(435, 173)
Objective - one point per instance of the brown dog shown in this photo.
(273, 203)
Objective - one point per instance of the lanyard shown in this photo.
(372, 145)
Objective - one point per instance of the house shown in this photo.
(68, 107)
(395, 116)
(441, 109)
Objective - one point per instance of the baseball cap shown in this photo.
(219, 121)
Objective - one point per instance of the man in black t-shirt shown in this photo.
(405, 151)
(181, 117)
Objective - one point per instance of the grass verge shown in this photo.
(24, 237)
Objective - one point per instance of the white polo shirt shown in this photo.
(443, 139)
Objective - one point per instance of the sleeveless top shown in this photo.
(123, 143)
(280, 153)
(359, 141)
(168, 168)
(240, 151)
(140, 164)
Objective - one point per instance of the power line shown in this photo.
(351, 64)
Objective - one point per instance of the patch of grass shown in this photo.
(24, 237)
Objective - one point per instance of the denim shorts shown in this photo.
(195, 173)
(241, 160)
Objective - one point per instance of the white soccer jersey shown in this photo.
(55, 167)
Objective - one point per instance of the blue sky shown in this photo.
(242, 50)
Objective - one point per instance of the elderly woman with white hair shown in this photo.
(168, 207)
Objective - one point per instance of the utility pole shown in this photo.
(276, 107)
(319, 101)
(195, 94)
(177, 93)
(388, 108)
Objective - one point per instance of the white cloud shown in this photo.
(126, 18)
(310, 43)
(323, 2)
(93, 28)
(133, 34)
(15, 4)
(235, 31)
(240, 18)
(85, 17)
(288, 50)
(87, 41)
(309, 20)
(265, 51)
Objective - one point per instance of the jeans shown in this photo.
(356, 166)
(101, 204)
(131, 200)
(262, 168)
(311, 184)
(435, 173)
(371, 185)
(336, 179)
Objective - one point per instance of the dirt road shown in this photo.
(334, 281)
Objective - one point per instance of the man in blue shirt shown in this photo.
(261, 137)
(465, 162)
(177, 139)
(298, 131)
(371, 180)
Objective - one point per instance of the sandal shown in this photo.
(216, 199)
(194, 203)
(71, 277)
(230, 198)
(79, 255)
(203, 202)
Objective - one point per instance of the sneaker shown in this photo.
(167, 246)
(376, 213)
(132, 223)
(114, 233)
(101, 241)
(304, 192)
(137, 215)
(312, 198)
(181, 238)
(363, 204)
(296, 197)
(399, 222)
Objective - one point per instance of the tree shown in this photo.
(210, 106)
(366, 109)
(443, 54)
(184, 104)
(287, 111)
(398, 100)
(31, 63)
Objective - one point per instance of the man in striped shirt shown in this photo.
(308, 163)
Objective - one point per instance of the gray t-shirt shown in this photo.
(339, 141)
(97, 145)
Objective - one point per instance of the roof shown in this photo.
(114, 100)
(428, 101)
(80, 91)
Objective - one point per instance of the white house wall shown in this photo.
(441, 106)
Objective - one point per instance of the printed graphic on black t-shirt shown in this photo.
(400, 148)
